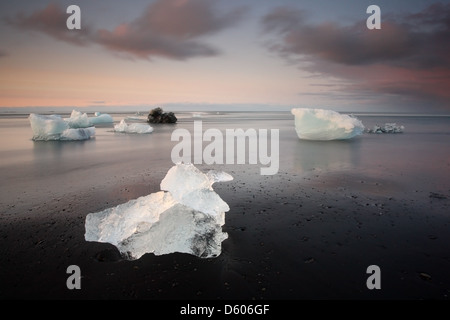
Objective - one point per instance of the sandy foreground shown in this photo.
(290, 237)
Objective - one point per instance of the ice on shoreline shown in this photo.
(53, 127)
(186, 216)
(322, 124)
(123, 127)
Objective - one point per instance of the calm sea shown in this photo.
(418, 158)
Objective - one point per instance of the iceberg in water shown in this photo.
(77, 127)
(78, 119)
(186, 216)
(133, 127)
(53, 127)
(101, 118)
(322, 124)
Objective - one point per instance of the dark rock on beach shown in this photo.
(157, 115)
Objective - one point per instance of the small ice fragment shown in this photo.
(387, 128)
(123, 127)
(218, 176)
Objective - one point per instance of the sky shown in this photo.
(227, 54)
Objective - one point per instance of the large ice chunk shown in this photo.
(186, 217)
(53, 127)
(124, 127)
(323, 124)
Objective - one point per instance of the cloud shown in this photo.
(185, 19)
(167, 28)
(395, 43)
(171, 29)
(145, 44)
(409, 56)
(3, 54)
(51, 21)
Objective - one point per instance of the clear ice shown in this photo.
(53, 127)
(186, 216)
(79, 126)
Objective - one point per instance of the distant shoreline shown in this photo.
(24, 112)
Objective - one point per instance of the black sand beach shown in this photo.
(302, 234)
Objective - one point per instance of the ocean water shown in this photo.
(307, 232)
(417, 159)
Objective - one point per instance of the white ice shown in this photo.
(133, 127)
(323, 124)
(53, 127)
(186, 217)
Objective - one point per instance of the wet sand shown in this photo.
(291, 236)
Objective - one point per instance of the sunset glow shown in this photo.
(280, 54)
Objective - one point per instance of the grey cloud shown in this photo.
(171, 29)
(51, 21)
(186, 18)
(167, 28)
(409, 57)
(399, 42)
(146, 44)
